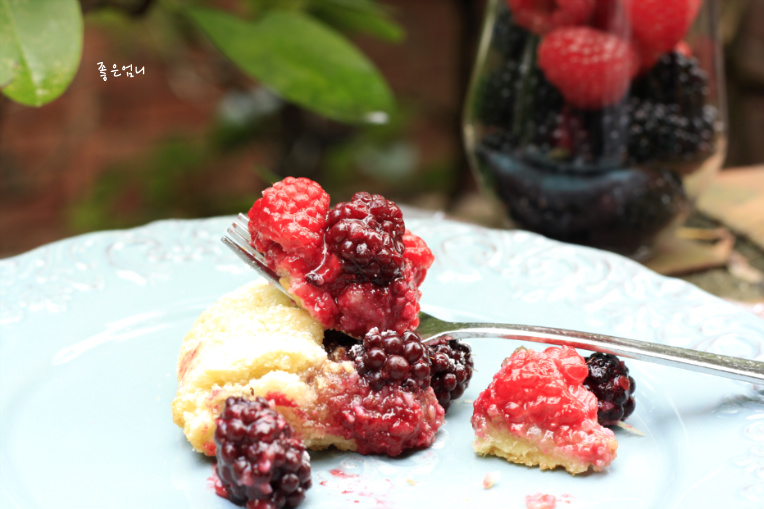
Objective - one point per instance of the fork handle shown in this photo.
(731, 367)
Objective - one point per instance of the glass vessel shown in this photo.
(591, 122)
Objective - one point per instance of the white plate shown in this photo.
(91, 328)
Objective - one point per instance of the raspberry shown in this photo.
(259, 461)
(609, 380)
(542, 16)
(289, 217)
(591, 68)
(387, 358)
(452, 367)
(658, 25)
(543, 389)
(367, 234)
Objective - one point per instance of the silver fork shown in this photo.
(431, 328)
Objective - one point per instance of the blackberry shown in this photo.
(496, 99)
(508, 38)
(452, 368)
(367, 235)
(498, 94)
(574, 140)
(603, 135)
(609, 380)
(675, 79)
(386, 358)
(662, 132)
(671, 118)
(619, 210)
(260, 462)
(543, 105)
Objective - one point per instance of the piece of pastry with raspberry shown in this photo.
(255, 342)
(536, 412)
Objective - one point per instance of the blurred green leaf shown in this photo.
(40, 48)
(358, 16)
(303, 60)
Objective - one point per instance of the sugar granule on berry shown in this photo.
(610, 382)
(387, 358)
(452, 368)
(260, 461)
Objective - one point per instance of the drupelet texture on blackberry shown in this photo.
(675, 79)
(389, 358)
(671, 119)
(452, 367)
(609, 380)
(367, 234)
(662, 132)
(508, 38)
(497, 98)
(260, 462)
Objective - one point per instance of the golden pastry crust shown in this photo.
(252, 342)
(497, 442)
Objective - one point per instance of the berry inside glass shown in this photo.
(597, 122)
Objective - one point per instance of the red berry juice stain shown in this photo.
(356, 488)
(540, 501)
(342, 475)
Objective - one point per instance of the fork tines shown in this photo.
(237, 239)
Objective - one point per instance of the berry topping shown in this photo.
(591, 68)
(386, 358)
(290, 218)
(544, 388)
(658, 25)
(260, 462)
(352, 268)
(609, 380)
(367, 234)
(452, 367)
(541, 16)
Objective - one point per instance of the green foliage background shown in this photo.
(300, 51)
